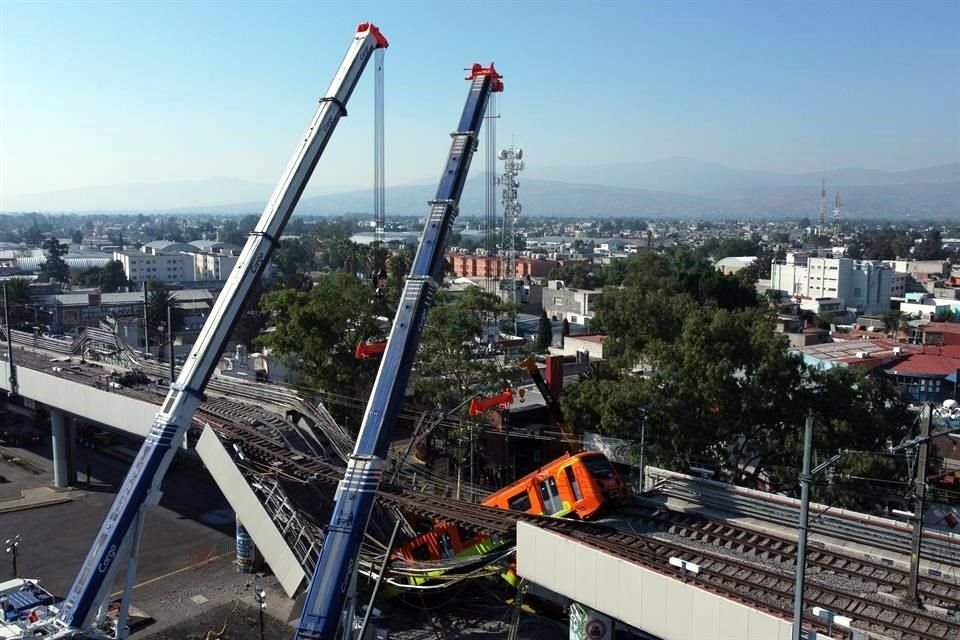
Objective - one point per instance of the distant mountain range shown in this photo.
(673, 187)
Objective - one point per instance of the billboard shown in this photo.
(587, 624)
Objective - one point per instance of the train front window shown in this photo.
(574, 485)
(599, 467)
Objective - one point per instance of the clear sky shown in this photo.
(125, 92)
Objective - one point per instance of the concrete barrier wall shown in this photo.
(109, 409)
(639, 597)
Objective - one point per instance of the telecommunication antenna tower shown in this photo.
(512, 166)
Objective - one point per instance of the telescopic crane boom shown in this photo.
(553, 406)
(117, 541)
(324, 605)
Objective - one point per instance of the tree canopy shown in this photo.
(56, 268)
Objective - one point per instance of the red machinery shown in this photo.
(502, 400)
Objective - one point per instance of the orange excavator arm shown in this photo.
(482, 405)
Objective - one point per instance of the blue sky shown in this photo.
(111, 93)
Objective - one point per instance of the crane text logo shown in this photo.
(108, 560)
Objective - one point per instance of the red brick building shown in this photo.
(471, 266)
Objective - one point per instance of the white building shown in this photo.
(927, 267)
(212, 266)
(166, 267)
(577, 306)
(864, 285)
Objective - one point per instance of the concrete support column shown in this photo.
(64, 473)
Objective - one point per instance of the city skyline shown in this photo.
(99, 94)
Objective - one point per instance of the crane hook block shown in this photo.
(479, 70)
(375, 32)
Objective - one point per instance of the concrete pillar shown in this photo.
(58, 427)
(61, 426)
(71, 424)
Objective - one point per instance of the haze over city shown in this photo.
(99, 94)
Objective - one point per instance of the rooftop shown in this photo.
(941, 327)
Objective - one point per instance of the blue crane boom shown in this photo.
(116, 543)
(324, 605)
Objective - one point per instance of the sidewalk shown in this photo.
(36, 497)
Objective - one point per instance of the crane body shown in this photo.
(115, 545)
(324, 605)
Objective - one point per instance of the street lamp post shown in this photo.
(13, 546)
(260, 597)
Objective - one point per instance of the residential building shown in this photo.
(586, 347)
(167, 246)
(474, 266)
(939, 268)
(142, 267)
(941, 333)
(577, 306)
(863, 285)
(823, 305)
(212, 266)
(215, 246)
(928, 374)
(898, 284)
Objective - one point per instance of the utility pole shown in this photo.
(920, 494)
(801, 569)
(643, 445)
(173, 373)
(146, 322)
(472, 448)
(6, 322)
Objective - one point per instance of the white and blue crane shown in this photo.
(116, 544)
(324, 609)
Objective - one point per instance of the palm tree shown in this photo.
(891, 323)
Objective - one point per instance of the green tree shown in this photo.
(577, 275)
(291, 261)
(735, 247)
(398, 268)
(447, 369)
(110, 278)
(315, 332)
(56, 268)
(77, 237)
(544, 332)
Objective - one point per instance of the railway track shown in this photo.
(766, 546)
(873, 532)
(765, 588)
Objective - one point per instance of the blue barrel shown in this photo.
(246, 552)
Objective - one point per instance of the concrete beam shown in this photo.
(635, 595)
(110, 409)
(255, 518)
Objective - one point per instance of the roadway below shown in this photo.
(192, 523)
